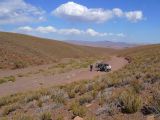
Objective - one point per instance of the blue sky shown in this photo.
(136, 21)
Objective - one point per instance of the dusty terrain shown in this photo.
(130, 91)
(41, 81)
(21, 51)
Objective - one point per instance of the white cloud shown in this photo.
(121, 34)
(76, 12)
(134, 15)
(70, 31)
(18, 11)
(25, 29)
(118, 12)
(47, 29)
(92, 32)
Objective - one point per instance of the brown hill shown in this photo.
(18, 50)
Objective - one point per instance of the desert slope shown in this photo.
(18, 50)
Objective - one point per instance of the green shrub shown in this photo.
(130, 101)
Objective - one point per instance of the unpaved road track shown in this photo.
(38, 81)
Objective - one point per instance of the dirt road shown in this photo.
(38, 81)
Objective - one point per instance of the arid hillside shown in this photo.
(18, 51)
(125, 94)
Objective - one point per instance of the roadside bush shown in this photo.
(131, 102)
(19, 64)
(7, 79)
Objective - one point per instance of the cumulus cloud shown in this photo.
(47, 29)
(134, 15)
(69, 31)
(92, 32)
(76, 12)
(18, 11)
(118, 12)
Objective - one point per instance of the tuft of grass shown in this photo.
(22, 116)
(87, 98)
(39, 103)
(71, 94)
(59, 117)
(7, 79)
(136, 85)
(130, 101)
(58, 96)
(31, 97)
(101, 99)
(77, 109)
(19, 64)
(46, 116)
(10, 108)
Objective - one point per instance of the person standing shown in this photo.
(91, 67)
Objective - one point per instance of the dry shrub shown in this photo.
(130, 101)
(77, 109)
(87, 98)
(46, 116)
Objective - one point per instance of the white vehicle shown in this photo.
(103, 67)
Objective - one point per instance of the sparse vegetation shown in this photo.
(46, 116)
(129, 90)
(7, 79)
(131, 102)
(77, 109)
(87, 98)
(19, 64)
(10, 108)
(19, 51)
(22, 116)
